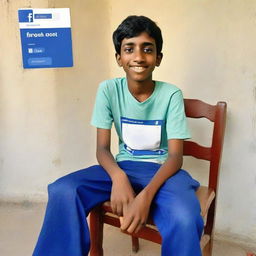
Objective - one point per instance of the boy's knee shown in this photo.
(181, 220)
(185, 221)
(61, 188)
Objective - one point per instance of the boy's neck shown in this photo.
(141, 91)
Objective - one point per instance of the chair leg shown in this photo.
(135, 244)
(96, 232)
(207, 251)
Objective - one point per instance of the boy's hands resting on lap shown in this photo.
(136, 214)
(133, 211)
(122, 194)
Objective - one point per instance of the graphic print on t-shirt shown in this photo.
(142, 137)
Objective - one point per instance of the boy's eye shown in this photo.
(148, 50)
(128, 49)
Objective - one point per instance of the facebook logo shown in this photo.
(26, 16)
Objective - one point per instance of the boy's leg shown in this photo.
(176, 212)
(65, 231)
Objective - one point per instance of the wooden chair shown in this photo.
(206, 194)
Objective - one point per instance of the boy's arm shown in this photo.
(138, 210)
(122, 193)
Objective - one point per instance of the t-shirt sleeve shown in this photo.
(102, 114)
(176, 124)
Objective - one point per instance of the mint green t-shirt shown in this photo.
(143, 128)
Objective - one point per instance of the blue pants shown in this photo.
(175, 210)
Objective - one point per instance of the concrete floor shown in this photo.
(20, 225)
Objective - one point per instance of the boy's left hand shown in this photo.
(135, 216)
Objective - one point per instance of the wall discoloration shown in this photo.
(56, 162)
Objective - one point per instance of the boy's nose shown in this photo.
(139, 56)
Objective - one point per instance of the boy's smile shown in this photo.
(138, 57)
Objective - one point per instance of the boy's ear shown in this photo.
(118, 60)
(159, 59)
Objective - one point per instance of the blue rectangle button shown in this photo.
(43, 16)
(44, 61)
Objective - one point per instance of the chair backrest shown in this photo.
(217, 115)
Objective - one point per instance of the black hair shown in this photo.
(133, 26)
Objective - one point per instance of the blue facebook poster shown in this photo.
(46, 38)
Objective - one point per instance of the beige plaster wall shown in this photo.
(45, 113)
(209, 52)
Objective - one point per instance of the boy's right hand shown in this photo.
(122, 193)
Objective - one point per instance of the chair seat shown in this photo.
(204, 194)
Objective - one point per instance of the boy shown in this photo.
(150, 121)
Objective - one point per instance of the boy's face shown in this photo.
(138, 57)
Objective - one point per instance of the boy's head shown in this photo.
(133, 26)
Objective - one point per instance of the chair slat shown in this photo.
(198, 109)
(193, 149)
